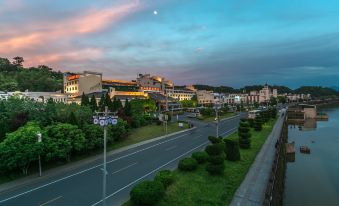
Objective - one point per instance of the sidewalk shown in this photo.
(31, 179)
(252, 190)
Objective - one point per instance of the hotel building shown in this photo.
(75, 84)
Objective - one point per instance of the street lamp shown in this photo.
(39, 136)
(217, 107)
(104, 119)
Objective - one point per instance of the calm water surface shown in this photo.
(313, 179)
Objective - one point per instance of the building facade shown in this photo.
(148, 83)
(40, 96)
(205, 97)
(75, 84)
(180, 94)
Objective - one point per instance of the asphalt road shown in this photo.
(83, 186)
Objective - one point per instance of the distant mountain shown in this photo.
(336, 88)
(317, 92)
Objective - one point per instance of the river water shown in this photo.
(313, 179)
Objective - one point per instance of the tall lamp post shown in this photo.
(217, 107)
(104, 119)
(39, 136)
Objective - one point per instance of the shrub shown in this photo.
(166, 177)
(215, 169)
(147, 193)
(188, 164)
(257, 123)
(215, 149)
(201, 157)
(219, 159)
(232, 150)
(244, 135)
(214, 140)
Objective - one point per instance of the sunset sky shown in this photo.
(218, 42)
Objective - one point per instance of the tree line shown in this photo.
(15, 77)
(66, 129)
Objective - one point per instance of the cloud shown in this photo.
(46, 33)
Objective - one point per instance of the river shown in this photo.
(313, 179)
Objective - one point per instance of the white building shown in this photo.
(180, 94)
(75, 84)
(40, 96)
(205, 97)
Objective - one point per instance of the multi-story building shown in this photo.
(205, 97)
(180, 94)
(75, 84)
(148, 83)
(266, 93)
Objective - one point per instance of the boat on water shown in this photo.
(305, 150)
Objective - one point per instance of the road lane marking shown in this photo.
(52, 200)
(124, 168)
(140, 178)
(170, 148)
(229, 131)
(91, 168)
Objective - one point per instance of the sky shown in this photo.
(215, 42)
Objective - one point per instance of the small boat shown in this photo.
(305, 150)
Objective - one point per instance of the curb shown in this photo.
(33, 178)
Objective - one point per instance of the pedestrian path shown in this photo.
(252, 190)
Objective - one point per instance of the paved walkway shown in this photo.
(252, 190)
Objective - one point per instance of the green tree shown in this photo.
(93, 104)
(20, 148)
(258, 122)
(244, 135)
(102, 103)
(93, 135)
(282, 99)
(84, 100)
(273, 101)
(72, 119)
(127, 108)
(64, 140)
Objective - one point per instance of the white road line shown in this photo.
(170, 148)
(86, 170)
(229, 131)
(125, 168)
(131, 183)
(52, 200)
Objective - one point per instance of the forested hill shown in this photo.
(315, 91)
(14, 77)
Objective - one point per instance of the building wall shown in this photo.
(78, 83)
(180, 94)
(205, 97)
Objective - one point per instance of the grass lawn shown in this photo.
(199, 188)
(222, 116)
(146, 133)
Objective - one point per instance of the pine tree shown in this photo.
(72, 119)
(93, 103)
(128, 108)
(102, 103)
(84, 100)
(244, 135)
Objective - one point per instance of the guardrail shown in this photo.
(275, 187)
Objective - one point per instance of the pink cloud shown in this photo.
(28, 40)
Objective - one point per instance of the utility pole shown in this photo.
(103, 119)
(217, 118)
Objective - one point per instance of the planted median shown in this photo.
(211, 177)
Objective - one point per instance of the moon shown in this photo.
(155, 12)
